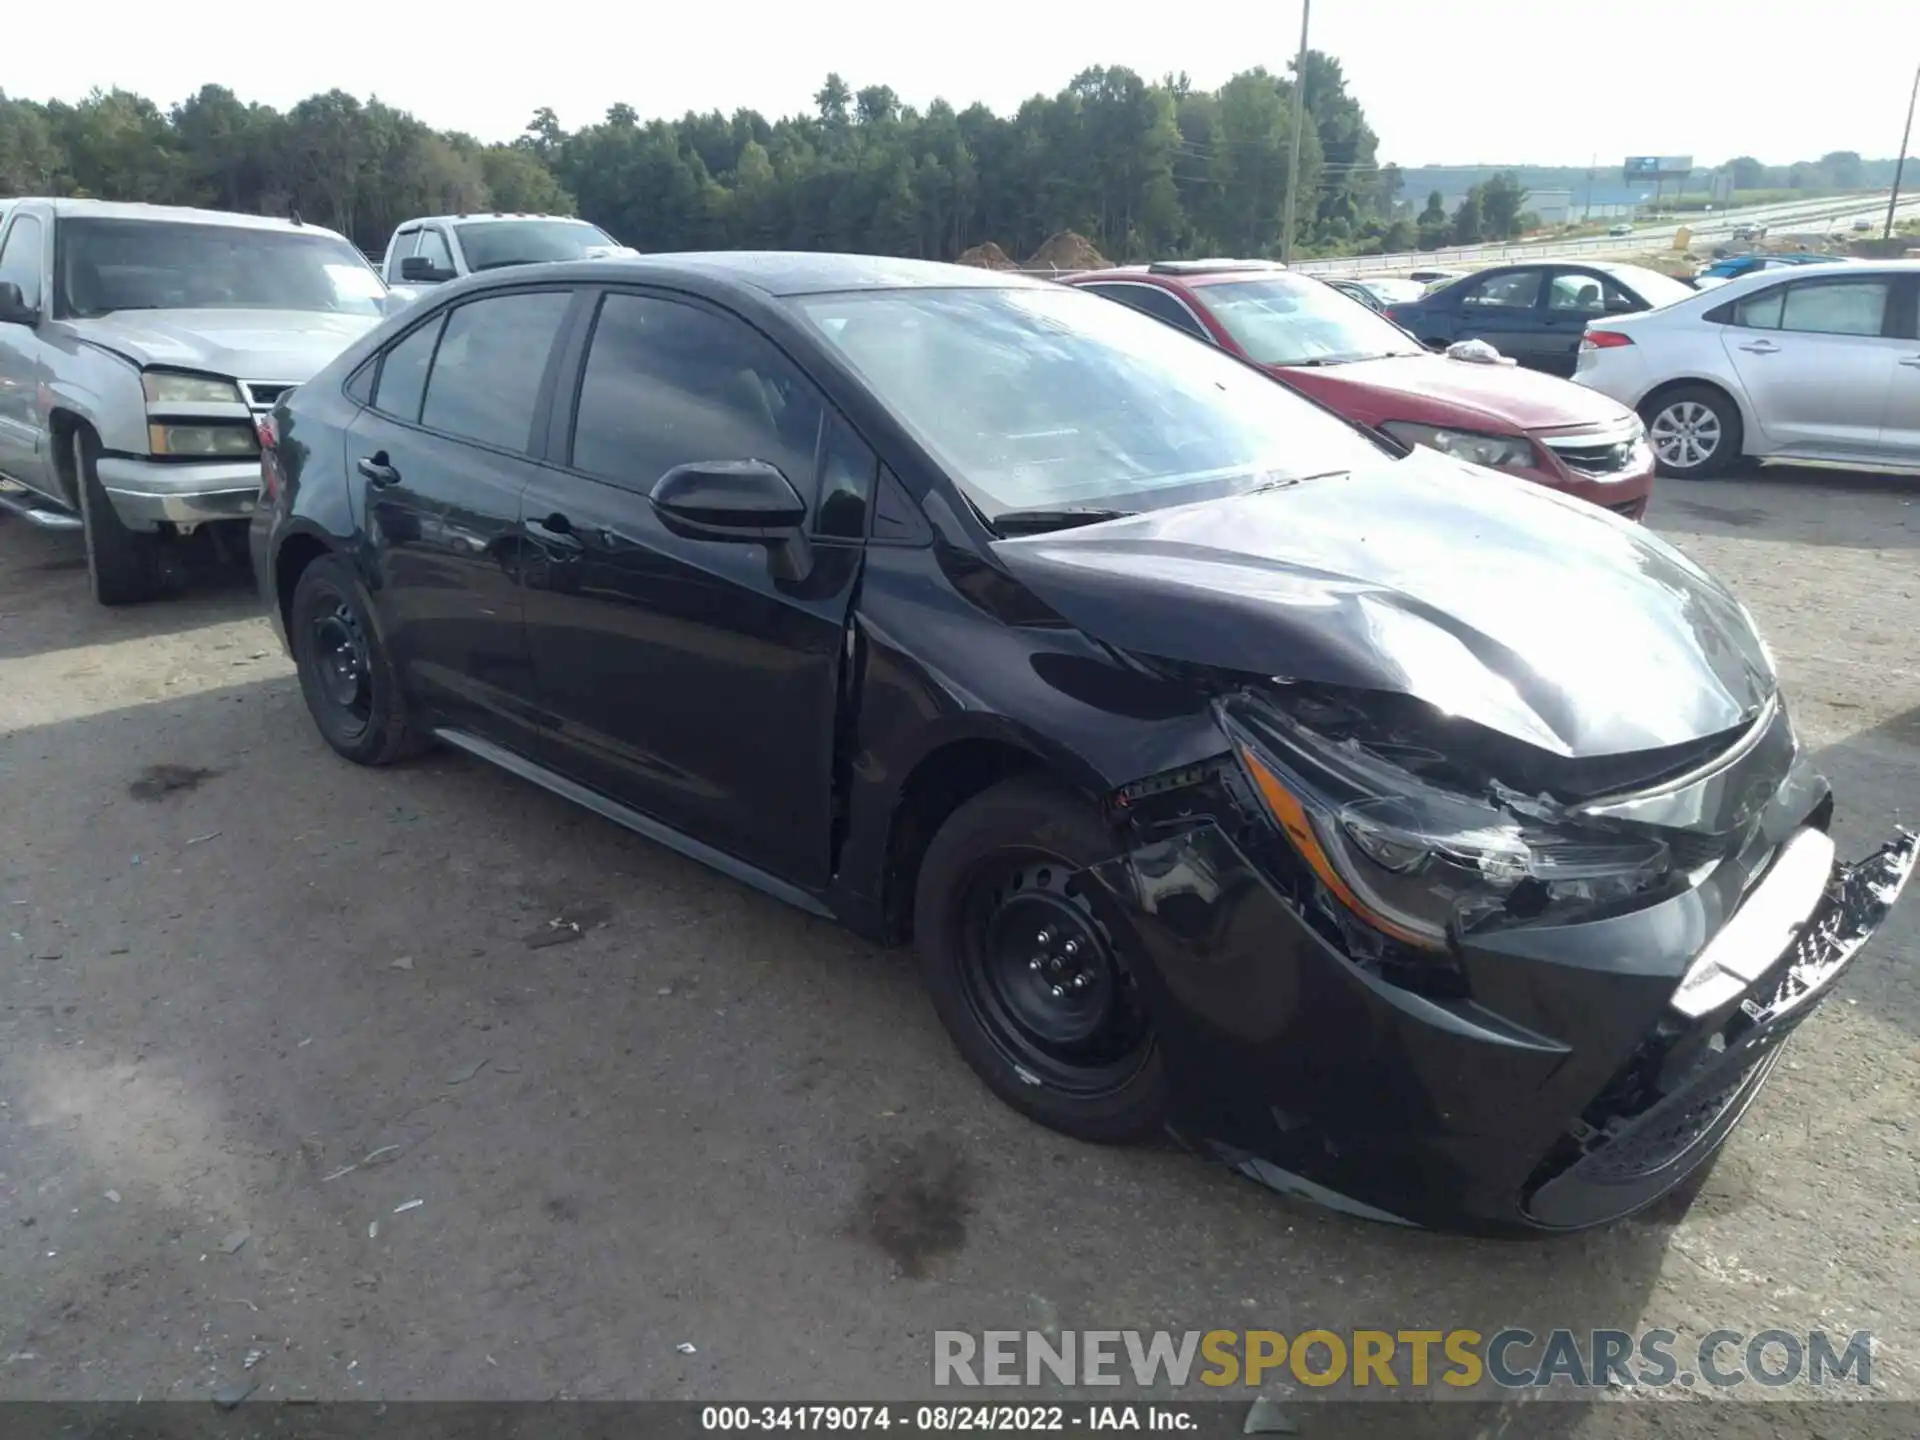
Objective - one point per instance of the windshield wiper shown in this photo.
(1041, 519)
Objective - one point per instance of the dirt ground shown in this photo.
(255, 1003)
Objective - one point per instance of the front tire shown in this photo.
(351, 686)
(1037, 993)
(123, 566)
(1695, 432)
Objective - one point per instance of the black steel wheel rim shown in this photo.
(341, 664)
(1044, 978)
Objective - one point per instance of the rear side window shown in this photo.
(1515, 290)
(1153, 301)
(667, 384)
(403, 374)
(1836, 307)
(485, 382)
(20, 258)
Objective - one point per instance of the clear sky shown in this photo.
(1535, 81)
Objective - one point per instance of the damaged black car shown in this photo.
(1413, 839)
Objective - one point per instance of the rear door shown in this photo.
(686, 678)
(1817, 359)
(23, 429)
(1900, 430)
(437, 466)
(1505, 309)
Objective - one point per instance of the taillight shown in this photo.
(1604, 340)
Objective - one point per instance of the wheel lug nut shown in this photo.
(1079, 982)
(1043, 937)
(1058, 992)
(1034, 964)
(1073, 947)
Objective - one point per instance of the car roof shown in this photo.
(780, 273)
(67, 207)
(480, 219)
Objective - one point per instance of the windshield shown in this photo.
(107, 265)
(492, 243)
(1284, 320)
(1653, 287)
(1044, 398)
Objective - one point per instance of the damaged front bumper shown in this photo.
(1557, 1088)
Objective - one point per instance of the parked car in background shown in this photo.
(1814, 364)
(1378, 292)
(1862, 226)
(950, 604)
(433, 249)
(1749, 232)
(1367, 369)
(1732, 267)
(1535, 312)
(1430, 278)
(137, 344)
(1621, 229)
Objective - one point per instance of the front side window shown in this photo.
(110, 265)
(1290, 320)
(1513, 290)
(21, 256)
(404, 244)
(433, 246)
(1041, 397)
(668, 384)
(485, 381)
(489, 244)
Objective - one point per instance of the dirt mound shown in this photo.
(1067, 251)
(988, 256)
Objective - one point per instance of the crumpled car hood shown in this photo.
(282, 346)
(1493, 600)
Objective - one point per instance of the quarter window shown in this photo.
(403, 373)
(20, 258)
(668, 384)
(1151, 300)
(485, 382)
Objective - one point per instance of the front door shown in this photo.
(1503, 308)
(23, 431)
(438, 466)
(1574, 300)
(696, 681)
(1817, 365)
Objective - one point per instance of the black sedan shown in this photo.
(1535, 313)
(1407, 836)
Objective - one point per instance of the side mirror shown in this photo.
(739, 500)
(14, 309)
(419, 270)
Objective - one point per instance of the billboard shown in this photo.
(1657, 167)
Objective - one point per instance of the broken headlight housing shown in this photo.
(1420, 862)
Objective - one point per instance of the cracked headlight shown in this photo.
(1497, 452)
(172, 387)
(1420, 863)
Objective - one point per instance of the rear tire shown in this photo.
(1695, 431)
(351, 686)
(1039, 996)
(123, 566)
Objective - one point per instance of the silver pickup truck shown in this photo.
(139, 345)
(433, 249)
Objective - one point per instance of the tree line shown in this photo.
(1139, 168)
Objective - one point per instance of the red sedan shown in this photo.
(1354, 361)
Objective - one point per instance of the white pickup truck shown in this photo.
(139, 345)
(433, 249)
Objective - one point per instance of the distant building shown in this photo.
(1554, 207)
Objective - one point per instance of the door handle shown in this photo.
(1913, 360)
(377, 469)
(1761, 347)
(555, 532)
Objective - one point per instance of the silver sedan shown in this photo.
(1818, 365)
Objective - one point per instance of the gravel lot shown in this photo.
(233, 968)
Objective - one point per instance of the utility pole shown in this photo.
(1299, 123)
(1900, 161)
